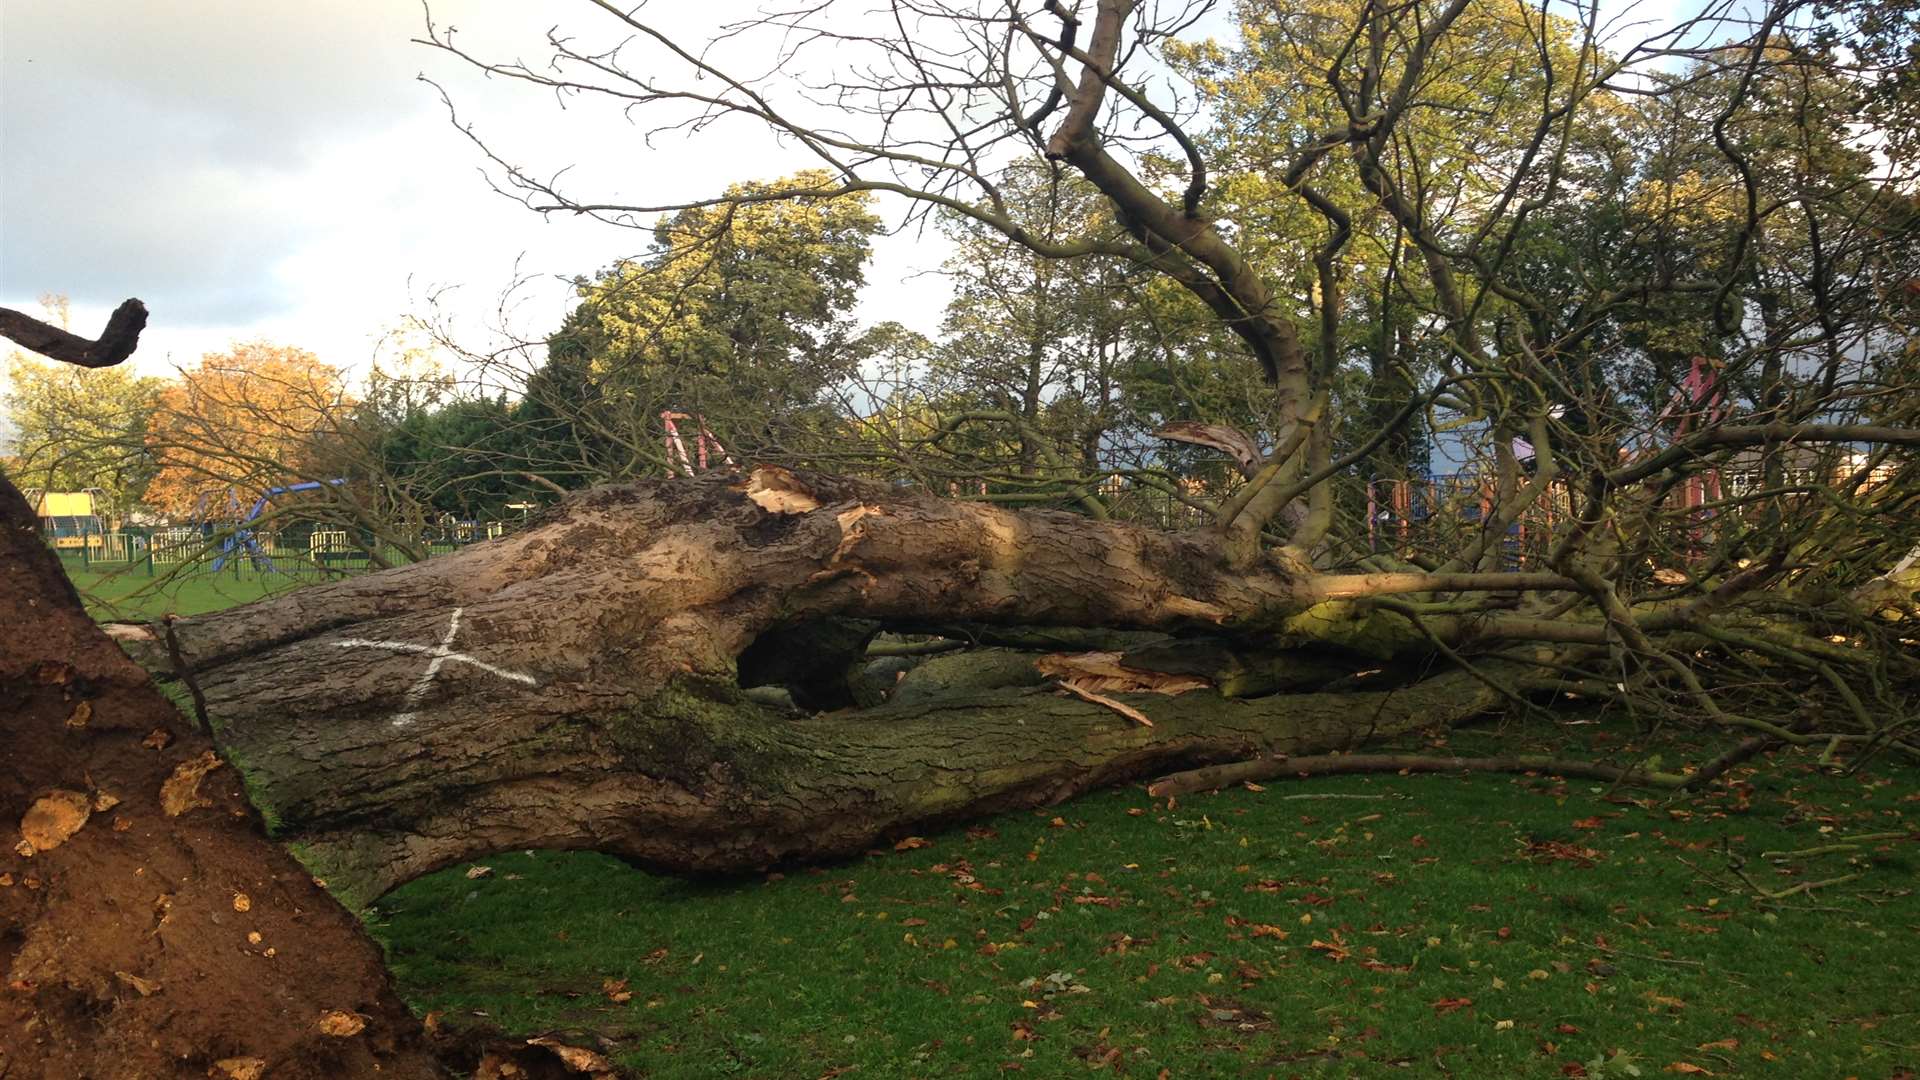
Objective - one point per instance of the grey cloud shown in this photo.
(253, 79)
(149, 148)
(195, 153)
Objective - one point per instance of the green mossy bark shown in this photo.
(698, 780)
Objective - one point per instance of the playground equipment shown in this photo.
(115, 547)
(326, 545)
(455, 531)
(68, 519)
(243, 539)
(677, 450)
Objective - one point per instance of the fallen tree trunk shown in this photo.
(694, 779)
(575, 685)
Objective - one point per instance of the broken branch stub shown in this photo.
(1231, 441)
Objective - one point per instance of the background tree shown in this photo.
(1037, 341)
(739, 312)
(264, 417)
(1469, 106)
(419, 445)
(92, 751)
(75, 429)
(241, 422)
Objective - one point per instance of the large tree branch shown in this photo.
(1236, 291)
(114, 344)
(1734, 436)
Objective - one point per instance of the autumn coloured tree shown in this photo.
(241, 422)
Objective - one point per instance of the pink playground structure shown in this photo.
(703, 443)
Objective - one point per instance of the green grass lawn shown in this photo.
(1479, 927)
(134, 591)
(1485, 926)
(114, 592)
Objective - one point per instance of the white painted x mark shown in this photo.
(440, 654)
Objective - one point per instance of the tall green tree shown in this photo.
(739, 312)
(1041, 346)
(1471, 107)
(76, 428)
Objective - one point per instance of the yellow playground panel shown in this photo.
(66, 504)
(68, 518)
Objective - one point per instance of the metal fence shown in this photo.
(307, 552)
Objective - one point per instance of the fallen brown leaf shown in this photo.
(181, 791)
(576, 1058)
(242, 1068)
(341, 1024)
(53, 818)
(1335, 950)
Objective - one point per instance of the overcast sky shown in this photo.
(259, 168)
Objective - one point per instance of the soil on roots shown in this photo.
(136, 942)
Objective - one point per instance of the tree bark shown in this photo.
(575, 685)
(115, 343)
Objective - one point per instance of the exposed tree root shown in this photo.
(149, 930)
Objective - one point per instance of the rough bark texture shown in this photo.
(574, 685)
(124, 947)
(115, 343)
